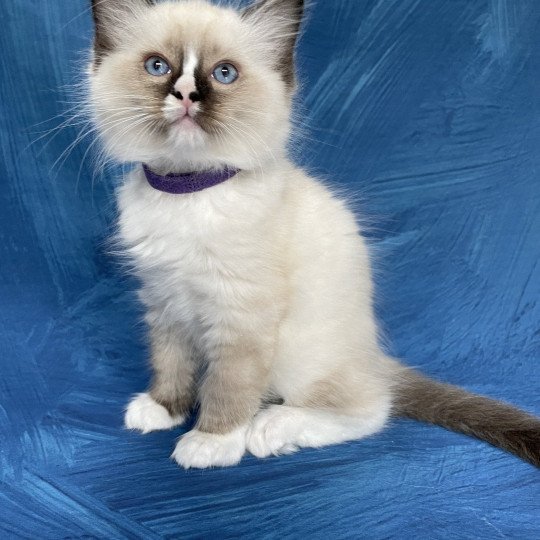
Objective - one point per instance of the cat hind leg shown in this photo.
(283, 429)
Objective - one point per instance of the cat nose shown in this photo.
(187, 101)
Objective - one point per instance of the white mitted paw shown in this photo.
(274, 431)
(146, 415)
(199, 450)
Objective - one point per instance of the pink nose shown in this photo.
(187, 101)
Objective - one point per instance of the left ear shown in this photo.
(109, 16)
(279, 21)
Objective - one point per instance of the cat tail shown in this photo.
(451, 407)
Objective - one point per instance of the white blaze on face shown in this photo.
(184, 108)
(186, 83)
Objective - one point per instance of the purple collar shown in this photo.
(179, 184)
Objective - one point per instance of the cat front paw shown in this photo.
(200, 450)
(144, 414)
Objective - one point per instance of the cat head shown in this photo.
(187, 85)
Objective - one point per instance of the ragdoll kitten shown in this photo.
(254, 275)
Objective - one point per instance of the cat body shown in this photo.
(248, 254)
(258, 288)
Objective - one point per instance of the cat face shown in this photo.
(188, 84)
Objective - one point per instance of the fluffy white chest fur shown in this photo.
(199, 255)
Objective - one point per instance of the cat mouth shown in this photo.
(187, 122)
(182, 118)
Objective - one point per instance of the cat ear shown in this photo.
(109, 16)
(277, 22)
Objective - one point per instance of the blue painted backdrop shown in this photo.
(430, 111)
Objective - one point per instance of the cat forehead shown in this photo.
(195, 26)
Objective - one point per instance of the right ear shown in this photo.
(278, 22)
(109, 15)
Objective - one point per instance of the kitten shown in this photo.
(255, 278)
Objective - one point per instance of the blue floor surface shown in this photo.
(429, 112)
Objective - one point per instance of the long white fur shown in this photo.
(184, 246)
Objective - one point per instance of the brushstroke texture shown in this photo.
(431, 112)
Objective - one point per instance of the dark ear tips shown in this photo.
(107, 15)
(286, 16)
(291, 9)
(102, 42)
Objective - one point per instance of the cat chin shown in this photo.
(180, 147)
(187, 134)
(186, 150)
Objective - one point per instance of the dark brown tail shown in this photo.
(497, 423)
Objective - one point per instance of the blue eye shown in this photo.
(225, 73)
(157, 67)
